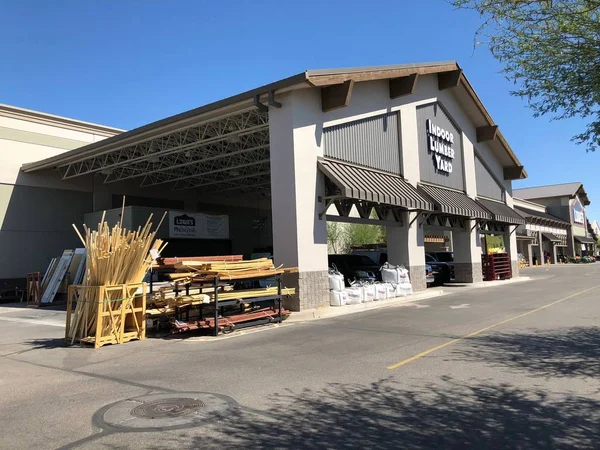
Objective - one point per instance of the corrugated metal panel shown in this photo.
(502, 212)
(551, 237)
(454, 203)
(427, 163)
(584, 240)
(487, 186)
(544, 218)
(365, 184)
(371, 142)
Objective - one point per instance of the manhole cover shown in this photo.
(168, 407)
(164, 411)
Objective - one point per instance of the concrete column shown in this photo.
(299, 236)
(530, 254)
(510, 242)
(406, 246)
(541, 248)
(570, 242)
(554, 255)
(467, 254)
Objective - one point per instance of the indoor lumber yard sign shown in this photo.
(440, 142)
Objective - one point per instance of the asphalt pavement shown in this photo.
(513, 366)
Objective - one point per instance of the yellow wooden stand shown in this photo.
(120, 315)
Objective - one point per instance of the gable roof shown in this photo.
(553, 190)
(266, 93)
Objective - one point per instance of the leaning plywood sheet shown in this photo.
(57, 276)
(80, 274)
(49, 272)
(76, 262)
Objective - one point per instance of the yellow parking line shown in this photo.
(475, 333)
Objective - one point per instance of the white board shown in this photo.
(57, 277)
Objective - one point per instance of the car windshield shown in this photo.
(429, 258)
(445, 256)
(360, 260)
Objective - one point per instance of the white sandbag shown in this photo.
(380, 291)
(390, 290)
(338, 298)
(394, 274)
(355, 295)
(336, 281)
(369, 292)
(403, 289)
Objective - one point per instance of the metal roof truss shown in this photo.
(223, 154)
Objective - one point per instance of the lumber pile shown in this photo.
(227, 270)
(242, 289)
(117, 261)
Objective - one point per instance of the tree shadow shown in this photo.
(387, 415)
(557, 353)
(46, 343)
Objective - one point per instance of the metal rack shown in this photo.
(242, 320)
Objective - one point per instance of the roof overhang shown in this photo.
(158, 151)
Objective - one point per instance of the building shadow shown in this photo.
(558, 353)
(386, 415)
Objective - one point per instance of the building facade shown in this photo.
(567, 202)
(409, 147)
(36, 211)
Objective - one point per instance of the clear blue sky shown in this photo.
(129, 62)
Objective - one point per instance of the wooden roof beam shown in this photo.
(450, 79)
(487, 133)
(514, 173)
(336, 96)
(403, 85)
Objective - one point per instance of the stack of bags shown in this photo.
(398, 277)
(337, 292)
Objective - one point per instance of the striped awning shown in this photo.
(361, 183)
(584, 240)
(501, 212)
(551, 237)
(454, 203)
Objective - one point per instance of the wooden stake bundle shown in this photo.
(115, 256)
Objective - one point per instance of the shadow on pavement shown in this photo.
(46, 343)
(558, 353)
(385, 415)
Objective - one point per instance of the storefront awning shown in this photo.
(550, 237)
(584, 240)
(501, 212)
(525, 237)
(370, 185)
(454, 203)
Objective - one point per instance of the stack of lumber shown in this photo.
(115, 257)
(171, 262)
(227, 270)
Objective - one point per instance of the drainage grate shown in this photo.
(167, 407)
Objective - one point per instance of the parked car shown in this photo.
(356, 268)
(441, 270)
(378, 256)
(445, 257)
(429, 278)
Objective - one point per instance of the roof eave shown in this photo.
(131, 136)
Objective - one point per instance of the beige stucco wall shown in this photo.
(36, 211)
